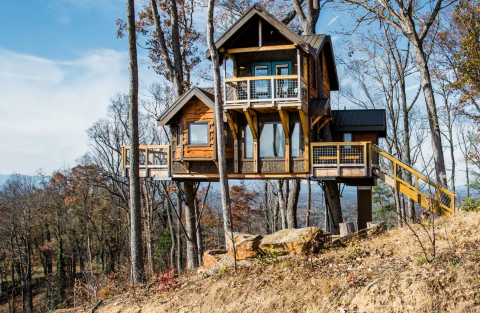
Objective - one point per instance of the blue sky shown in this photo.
(60, 62)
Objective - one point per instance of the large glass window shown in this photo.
(248, 143)
(295, 141)
(198, 134)
(272, 141)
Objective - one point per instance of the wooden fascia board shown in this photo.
(263, 48)
(282, 28)
(184, 100)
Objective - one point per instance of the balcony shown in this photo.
(334, 159)
(154, 161)
(264, 91)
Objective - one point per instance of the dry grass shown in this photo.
(383, 274)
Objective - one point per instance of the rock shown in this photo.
(246, 246)
(212, 257)
(294, 241)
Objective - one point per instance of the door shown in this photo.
(260, 89)
(284, 88)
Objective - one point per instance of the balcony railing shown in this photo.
(341, 155)
(151, 157)
(264, 89)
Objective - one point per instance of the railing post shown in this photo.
(146, 157)
(365, 158)
(299, 72)
(248, 91)
(338, 159)
(273, 89)
(225, 81)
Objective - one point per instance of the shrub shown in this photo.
(470, 205)
(268, 256)
(167, 280)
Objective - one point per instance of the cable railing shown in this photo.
(340, 154)
(264, 89)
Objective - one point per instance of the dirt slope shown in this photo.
(382, 274)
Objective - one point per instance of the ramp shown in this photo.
(413, 184)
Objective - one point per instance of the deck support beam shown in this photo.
(251, 117)
(232, 123)
(323, 124)
(285, 118)
(304, 122)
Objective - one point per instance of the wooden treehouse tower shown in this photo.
(279, 123)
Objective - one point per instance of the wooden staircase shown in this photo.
(413, 184)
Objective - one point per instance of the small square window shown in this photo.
(198, 134)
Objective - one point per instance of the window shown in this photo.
(198, 134)
(261, 88)
(281, 69)
(272, 140)
(248, 143)
(348, 137)
(295, 141)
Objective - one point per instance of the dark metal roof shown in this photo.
(314, 40)
(319, 106)
(360, 120)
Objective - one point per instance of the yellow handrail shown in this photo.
(425, 199)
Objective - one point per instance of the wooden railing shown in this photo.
(340, 154)
(264, 89)
(152, 156)
(423, 190)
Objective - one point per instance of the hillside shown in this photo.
(383, 274)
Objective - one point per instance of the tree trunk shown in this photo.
(136, 246)
(292, 204)
(199, 232)
(192, 256)
(172, 232)
(282, 205)
(309, 198)
(435, 133)
(332, 195)
(179, 236)
(219, 125)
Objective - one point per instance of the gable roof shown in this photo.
(360, 120)
(282, 28)
(205, 95)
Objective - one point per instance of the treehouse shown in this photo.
(278, 120)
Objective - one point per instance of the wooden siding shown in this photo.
(313, 89)
(325, 76)
(357, 137)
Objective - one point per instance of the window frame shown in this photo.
(245, 157)
(300, 140)
(188, 134)
(261, 125)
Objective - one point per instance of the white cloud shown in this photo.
(46, 105)
(414, 87)
(333, 20)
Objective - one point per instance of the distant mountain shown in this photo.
(3, 179)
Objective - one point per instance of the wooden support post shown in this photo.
(146, 157)
(260, 33)
(232, 123)
(304, 122)
(323, 124)
(338, 159)
(224, 81)
(365, 158)
(364, 206)
(315, 121)
(285, 118)
(299, 70)
(251, 117)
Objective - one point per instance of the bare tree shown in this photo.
(414, 21)
(219, 124)
(136, 244)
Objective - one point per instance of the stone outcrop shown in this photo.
(215, 260)
(294, 241)
(246, 246)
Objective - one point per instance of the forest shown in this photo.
(67, 237)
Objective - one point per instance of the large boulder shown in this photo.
(246, 246)
(215, 260)
(294, 241)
